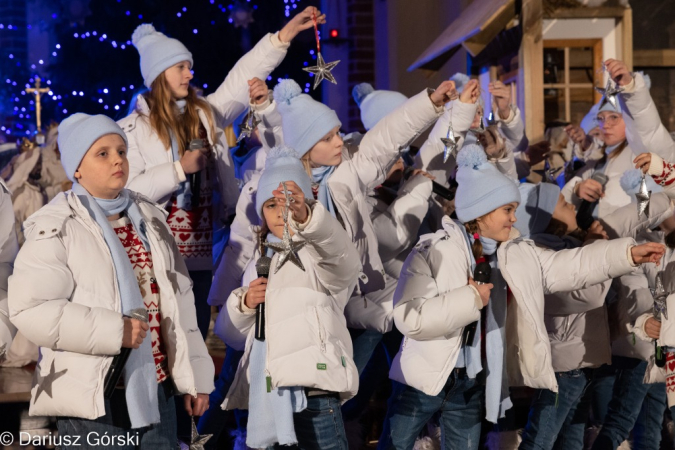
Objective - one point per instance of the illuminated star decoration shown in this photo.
(197, 441)
(643, 196)
(609, 94)
(322, 70)
(287, 248)
(249, 124)
(44, 383)
(450, 143)
(660, 295)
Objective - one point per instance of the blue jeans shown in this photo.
(634, 406)
(460, 402)
(553, 419)
(364, 343)
(116, 425)
(201, 285)
(214, 419)
(319, 426)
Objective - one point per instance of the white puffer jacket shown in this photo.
(578, 322)
(306, 334)
(358, 173)
(152, 170)
(644, 130)
(433, 303)
(63, 297)
(8, 250)
(396, 225)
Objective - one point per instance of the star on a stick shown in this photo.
(643, 196)
(248, 125)
(44, 383)
(197, 441)
(450, 143)
(322, 70)
(609, 94)
(287, 248)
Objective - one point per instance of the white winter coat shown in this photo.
(152, 170)
(304, 320)
(396, 226)
(358, 173)
(8, 250)
(433, 303)
(63, 296)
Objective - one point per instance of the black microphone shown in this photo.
(119, 361)
(195, 178)
(585, 211)
(262, 267)
(481, 275)
(436, 188)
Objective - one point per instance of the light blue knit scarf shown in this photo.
(320, 177)
(497, 399)
(140, 379)
(270, 419)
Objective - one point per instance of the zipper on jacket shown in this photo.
(321, 336)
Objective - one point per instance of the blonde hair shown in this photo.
(307, 164)
(164, 118)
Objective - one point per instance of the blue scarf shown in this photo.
(184, 192)
(270, 419)
(497, 399)
(140, 379)
(320, 176)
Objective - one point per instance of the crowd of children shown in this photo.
(341, 248)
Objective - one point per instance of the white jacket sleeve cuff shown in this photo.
(656, 166)
(242, 305)
(630, 87)
(639, 327)
(278, 43)
(301, 226)
(180, 173)
(262, 106)
(477, 299)
(439, 109)
(508, 120)
(630, 256)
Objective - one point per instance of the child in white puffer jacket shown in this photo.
(440, 367)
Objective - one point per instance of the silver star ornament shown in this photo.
(287, 248)
(609, 94)
(660, 295)
(249, 124)
(643, 196)
(322, 70)
(197, 441)
(480, 129)
(450, 143)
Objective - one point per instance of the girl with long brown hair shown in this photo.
(178, 153)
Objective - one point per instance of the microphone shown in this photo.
(585, 211)
(262, 267)
(195, 178)
(481, 275)
(436, 188)
(119, 361)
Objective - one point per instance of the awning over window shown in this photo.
(480, 22)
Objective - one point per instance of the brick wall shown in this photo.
(360, 29)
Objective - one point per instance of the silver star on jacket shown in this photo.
(609, 94)
(287, 248)
(322, 70)
(643, 196)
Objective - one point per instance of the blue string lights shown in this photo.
(111, 94)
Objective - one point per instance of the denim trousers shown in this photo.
(461, 404)
(113, 430)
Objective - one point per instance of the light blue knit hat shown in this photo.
(482, 188)
(282, 164)
(535, 211)
(630, 183)
(158, 52)
(78, 133)
(304, 121)
(374, 104)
